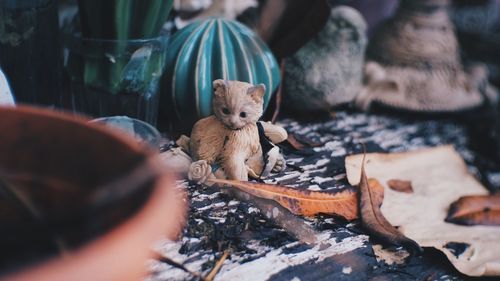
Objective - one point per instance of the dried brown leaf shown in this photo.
(302, 202)
(400, 185)
(295, 143)
(299, 143)
(475, 210)
(371, 196)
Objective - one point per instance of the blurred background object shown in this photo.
(143, 132)
(192, 10)
(116, 77)
(327, 71)
(373, 11)
(116, 56)
(70, 188)
(413, 63)
(477, 27)
(6, 97)
(29, 50)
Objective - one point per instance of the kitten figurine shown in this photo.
(233, 139)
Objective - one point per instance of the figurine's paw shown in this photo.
(280, 164)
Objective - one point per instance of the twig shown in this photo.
(276, 213)
(211, 275)
(175, 264)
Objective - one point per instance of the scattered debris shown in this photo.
(389, 255)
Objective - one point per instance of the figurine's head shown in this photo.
(237, 104)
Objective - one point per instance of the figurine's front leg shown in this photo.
(235, 168)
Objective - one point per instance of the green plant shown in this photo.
(116, 65)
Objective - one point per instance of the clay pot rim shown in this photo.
(120, 253)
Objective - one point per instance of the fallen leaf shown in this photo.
(299, 143)
(293, 142)
(302, 202)
(421, 215)
(371, 196)
(475, 210)
(400, 185)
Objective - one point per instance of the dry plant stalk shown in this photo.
(211, 275)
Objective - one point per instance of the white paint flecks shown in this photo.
(346, 270)
(320, 163)
(275, 261)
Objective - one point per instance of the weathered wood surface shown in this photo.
(261, 250)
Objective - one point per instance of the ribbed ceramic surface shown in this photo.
(208, 50)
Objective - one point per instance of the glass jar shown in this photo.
(116, 77)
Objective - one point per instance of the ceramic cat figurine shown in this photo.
(230, 139)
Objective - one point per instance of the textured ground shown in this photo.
(261, 250)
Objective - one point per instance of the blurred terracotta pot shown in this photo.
(91, 190)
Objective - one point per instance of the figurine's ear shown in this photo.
(257, 92)
(220, 87)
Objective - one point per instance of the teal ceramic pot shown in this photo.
(205, 51)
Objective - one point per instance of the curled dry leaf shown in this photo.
(301, 202)
(298, 143)
(371, 196)
(475, 210)
(295, 143)
(400, 185)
